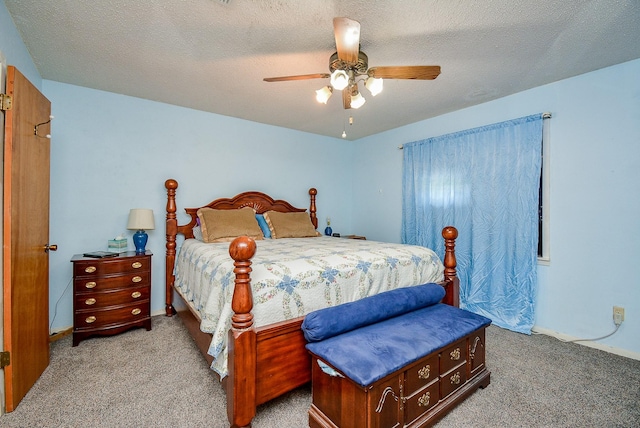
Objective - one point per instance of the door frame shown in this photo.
(3, 79)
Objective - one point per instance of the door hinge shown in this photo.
(5, 102)
(5, 359)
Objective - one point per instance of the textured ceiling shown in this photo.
(212, 56)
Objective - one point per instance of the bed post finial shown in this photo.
(171, 228)
(452, 297)
(242, 363)
(241, 251)
(312, 207)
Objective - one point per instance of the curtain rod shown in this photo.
(545, 115)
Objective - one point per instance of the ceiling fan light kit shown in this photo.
(340, 79)
(350, 63)
(357, 100)
(373, 85)
(323, 94)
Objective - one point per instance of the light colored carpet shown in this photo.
(159, 379)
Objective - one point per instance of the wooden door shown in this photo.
(25, 237)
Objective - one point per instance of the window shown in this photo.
(482, 181)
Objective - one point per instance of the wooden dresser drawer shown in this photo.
(421, 373)
(424, 399)
(453, 355)
(104, 317)
(99, 267)
(84, 284)
(111, 298)
(453, 380)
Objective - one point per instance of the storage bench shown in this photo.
(397, 359)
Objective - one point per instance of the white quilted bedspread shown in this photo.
(295, 276)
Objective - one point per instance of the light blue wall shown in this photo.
(111, 153)
(595, 195)
(14, 49)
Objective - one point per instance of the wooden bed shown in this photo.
(264, 362)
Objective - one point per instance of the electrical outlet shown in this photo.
(618, 315)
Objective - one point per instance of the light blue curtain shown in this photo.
(485, 182)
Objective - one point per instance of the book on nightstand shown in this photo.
(100, 254)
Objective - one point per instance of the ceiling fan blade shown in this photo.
(419, 72)
(346, 98)
(347, 34)
(299, 77)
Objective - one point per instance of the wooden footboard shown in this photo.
(276, 352)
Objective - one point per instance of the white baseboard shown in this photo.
(590, 344)
(59, 330)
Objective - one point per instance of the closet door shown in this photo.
(25, 237)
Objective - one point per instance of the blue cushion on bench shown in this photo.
(370, 353)
(325, 323)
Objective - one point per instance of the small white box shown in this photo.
(117, 245)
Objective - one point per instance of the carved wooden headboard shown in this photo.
(259, 201)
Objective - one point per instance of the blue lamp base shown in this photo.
(140, 241)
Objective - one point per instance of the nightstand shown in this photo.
(111, 294)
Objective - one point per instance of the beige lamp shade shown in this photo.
(141, 219)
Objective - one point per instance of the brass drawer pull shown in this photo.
(424, 372)
(136, 265)
(90, 284)
(136, 294)
(455, 379)
(90, 319)
(136, 279)
(90, 269)
(90, 301)
(424, 400)
(455, 354)
(136, 311)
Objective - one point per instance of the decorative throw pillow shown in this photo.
(290, 225)
(226, 225)
(263, 225)
(197, 233)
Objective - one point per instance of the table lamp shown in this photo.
(140, 219)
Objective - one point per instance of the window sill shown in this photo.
(544, 261)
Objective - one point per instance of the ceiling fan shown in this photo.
(349, 63)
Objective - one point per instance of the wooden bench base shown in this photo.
(414, 396)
